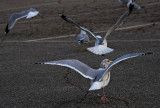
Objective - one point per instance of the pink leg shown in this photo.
(103, 98)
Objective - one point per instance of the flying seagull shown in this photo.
(99, 77)
(100, 47)
(82, 37)
(16, 16)
(130, 4)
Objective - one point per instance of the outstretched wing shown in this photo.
(118, 23)
(15, 17)
(76, 65)
(127, 56)
(69, 20)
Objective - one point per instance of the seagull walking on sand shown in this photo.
(100, 47)
(17, 16)
(99, 77)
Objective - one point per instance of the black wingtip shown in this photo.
(63, 17)
(6, 30)
(38, 63)
(148, 53)
(130, 8)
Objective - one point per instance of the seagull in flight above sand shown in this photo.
(99, 77)
(100, 47)
(16, 16)
(82, 37)
(130, 5)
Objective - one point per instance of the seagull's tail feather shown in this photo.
(100, 49)
(95, 86)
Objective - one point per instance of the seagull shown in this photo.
(99, 77)
(16, 16)
(130, 5)
(82, 37)
(100, 47)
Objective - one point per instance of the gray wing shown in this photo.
(15, 17)
(76, 65)
(120, 20)
(127, 56)
(69, 20)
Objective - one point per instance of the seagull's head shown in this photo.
(105, 63)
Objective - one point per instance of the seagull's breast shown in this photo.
(100, 84)
(106, 79)
(32, 14)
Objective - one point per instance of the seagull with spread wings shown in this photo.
(17, 16)
(100, 47)
(99, 77)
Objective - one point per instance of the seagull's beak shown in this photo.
(110, 61)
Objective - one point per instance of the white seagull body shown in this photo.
(16, 16)
(100, 47)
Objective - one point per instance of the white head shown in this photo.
(83, 32)
(105, 63)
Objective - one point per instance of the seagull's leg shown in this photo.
(104, 99)
(97, 94)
